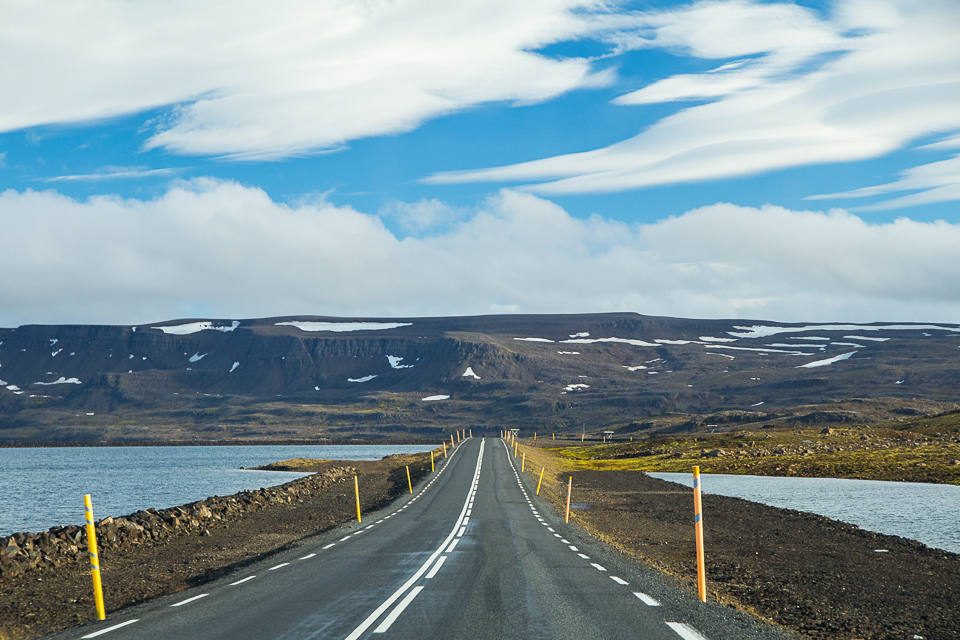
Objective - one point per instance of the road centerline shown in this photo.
(373, 617)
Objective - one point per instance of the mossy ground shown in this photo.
(873, 453)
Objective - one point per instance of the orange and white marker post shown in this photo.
(698, 523)
(94, 560)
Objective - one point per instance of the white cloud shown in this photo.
(424, 214)
(220, 250)
(260, 79)
(114, 173)
(934, 182)
(868, 79)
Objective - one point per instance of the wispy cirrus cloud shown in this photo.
(865, 80)
(234, 252)
(933, 182)
(262, 80)
(115, 173)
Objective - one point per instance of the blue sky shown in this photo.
(773, 160)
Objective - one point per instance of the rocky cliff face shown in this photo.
(552, 368)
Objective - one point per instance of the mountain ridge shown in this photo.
(556, 371)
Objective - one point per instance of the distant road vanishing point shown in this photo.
(472, 554)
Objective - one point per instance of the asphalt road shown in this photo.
(473, 554)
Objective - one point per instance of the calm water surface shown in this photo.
(44, 487)
(929, 513)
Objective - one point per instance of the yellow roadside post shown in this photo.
(534, 435)
(523, 461)
(554, 436)
(431, 461)
(539, 482)
(452, 443)
(516, 447)
(444, 449)
(94, 561)
(409, 484)
(698, 523)
(471, 433)
(566, 518)
(356, 490)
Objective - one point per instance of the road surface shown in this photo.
(472, 554)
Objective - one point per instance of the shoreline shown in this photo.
(45, 581)
(219, 443)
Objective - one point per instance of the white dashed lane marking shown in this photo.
(109, 629)
(685, 631)
(647, 600)
(189, 600)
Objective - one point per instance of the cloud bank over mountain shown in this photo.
(219, 249)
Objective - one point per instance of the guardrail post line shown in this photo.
(94, 560)
(356, 490)
(541, 480)
(566, 518)
(698, 523)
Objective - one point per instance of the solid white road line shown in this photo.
(647, 600)
(685, 631)
(109, 629)
(373, 617)
(233, 584)
(183, 602)
(436, 567)
(453, 545)
(390, 619)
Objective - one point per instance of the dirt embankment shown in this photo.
(45, 580)
(819, 577)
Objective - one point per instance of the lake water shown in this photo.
(44, 487)
(925, 512)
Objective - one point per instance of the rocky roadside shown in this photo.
(45, 581)
(816, 576)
